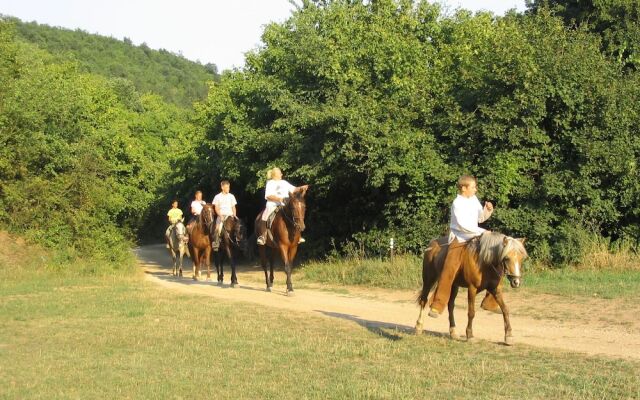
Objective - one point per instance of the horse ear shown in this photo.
(522, 240)
(505, 241)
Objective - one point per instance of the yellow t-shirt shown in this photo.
(175, 214)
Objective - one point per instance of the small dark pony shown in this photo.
(485, 261)
(286, 229)
(232, 238)
(200, 242)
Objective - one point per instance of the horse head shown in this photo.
(181, 231)
(207, 217)
(513, 254)
(297, 206)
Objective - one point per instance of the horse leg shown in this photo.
(232, 261)
(508, 337)
(450, 306)
(207, 261)
(195, 256)
(173, 257)
(181, 252)
(284, 252)
(271, 262)
(472, 291)
(263, 262)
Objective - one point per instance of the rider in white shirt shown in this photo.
(196, 208)
(276, 191)
(225, 206)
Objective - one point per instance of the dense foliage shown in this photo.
(617, 22)
(176, 79)
(82, 157)
(381, 105)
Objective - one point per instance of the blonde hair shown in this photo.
(271, 172)
(466, 180)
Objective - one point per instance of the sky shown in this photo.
(208, 31)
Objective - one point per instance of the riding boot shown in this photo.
(263, 232)
(216, 240)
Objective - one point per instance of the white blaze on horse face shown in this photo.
(516, 268)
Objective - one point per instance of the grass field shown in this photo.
(406, 273)
(108, 337)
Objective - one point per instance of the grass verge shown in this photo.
(106, 337)
(406, 273)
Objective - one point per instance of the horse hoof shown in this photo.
(508, 340)
(233, 285)
(419, 329)
(268, 289)
(471, 339)
(290, 293)
(453, 334)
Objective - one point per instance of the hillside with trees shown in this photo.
(176, 79)
(84, 159)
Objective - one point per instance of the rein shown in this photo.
(290, 218)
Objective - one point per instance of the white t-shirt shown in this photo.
(197, 206)
(466, 213)
(226, 202)
(280, 189)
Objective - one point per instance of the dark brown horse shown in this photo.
(232, 239)
(286, 230)
(485, 261)
(200, 242)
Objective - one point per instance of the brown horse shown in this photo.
(485, 261)
(200, 241)
(232, 239)
(286, 229)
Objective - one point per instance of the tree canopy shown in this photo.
(382, 105)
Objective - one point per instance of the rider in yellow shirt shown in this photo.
(174, 216)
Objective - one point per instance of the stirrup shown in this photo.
(301, 240)
(261, 240)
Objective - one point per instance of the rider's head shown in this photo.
(274, 173)
(198, 195)
(467, 185)
(174, 203)
(225, 186)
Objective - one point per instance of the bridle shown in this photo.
(290, 217)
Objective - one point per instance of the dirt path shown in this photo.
(594, 327)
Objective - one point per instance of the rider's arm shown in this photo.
(234, 211)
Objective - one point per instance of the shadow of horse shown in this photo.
(386, 330)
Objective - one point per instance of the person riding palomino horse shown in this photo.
(466, 213)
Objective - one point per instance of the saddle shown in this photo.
(270, 218)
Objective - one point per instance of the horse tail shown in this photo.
(429, 272)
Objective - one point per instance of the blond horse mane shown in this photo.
(491, 250)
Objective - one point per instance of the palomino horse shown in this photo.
(177, 246)
(286, 230)
(200, 242)
(485, 261)
(232, 237)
